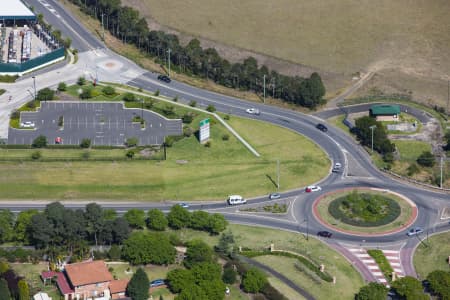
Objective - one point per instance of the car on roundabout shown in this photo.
(253, 111)
(313, 188)
(324, 233)
(337, 168)
(322, 127)
(274, 196)
(414, 231)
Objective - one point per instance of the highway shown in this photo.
(339, 147)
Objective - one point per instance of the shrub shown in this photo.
(132, 142)
(193, 103)
(208, 144)
(108, 90)
(81, 80)
(39, 142)
(130, 154)
(15, 114)
(169, 141)
(211, 108)
(86, 154)
(85, 143)
(187, 131)
(426, 159)
(227, 117)
(115, 252)
(129, 97)
(225, 137)
(36, 155)
(61, 121)
(229, 275)
(62, 86)
(156, 93)
(87, 92)
(388, 157)
(45, 94)
(187, 118)
(175, 99)
(254, 280)
(413, 169)
(32, 104)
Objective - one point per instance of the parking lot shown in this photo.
(104, 123)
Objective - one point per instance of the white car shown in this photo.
(414, 231)
(253, 111)
(27, 124)
(313, 188)
(337, 168)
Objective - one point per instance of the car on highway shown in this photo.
(337, 168)
(322, 127)
(164, 78)
(27, 124)
(253, 111)
(414, 231)
(313, 188)
(184, 205)
(274, 196)
(324, 233)
(157, 282)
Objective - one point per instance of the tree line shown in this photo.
(126, 24)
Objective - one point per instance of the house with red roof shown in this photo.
(87, 280)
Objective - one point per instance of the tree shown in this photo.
(135, 217)
(216, 223)
(156, 220)
(440, 283)
(410, 288)
(87, 92)
(178, 217)
(426, 159)
(253, 280)
(137, 288)
(198, 251)
(121, 230)
(22, 226)
(6, 225)
(62, 86)
(114, 252)
(41, 230)
(229, 275)
(447, 139)
(199, 220)
(81, 80)
(372, 291)
(211, 108)
(24, 290)
(85, 143)
(381, 142)
(180, 279)
(226, 243)
(108, 90)
(39, 142)
(3, 267)
(148, 247)
(109, 214)
(129, 97)
(94, 220)
(45, 94)
(4, 290)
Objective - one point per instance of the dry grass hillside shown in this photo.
(406, 40)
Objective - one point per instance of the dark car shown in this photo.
(164, 78)
(322, 127)
(326, 234)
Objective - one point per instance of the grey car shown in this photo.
(414, 231)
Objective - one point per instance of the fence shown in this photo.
(17, 68)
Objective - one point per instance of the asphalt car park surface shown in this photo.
(104, 123)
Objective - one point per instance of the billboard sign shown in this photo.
(204, 130)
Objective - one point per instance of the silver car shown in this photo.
(414, 231)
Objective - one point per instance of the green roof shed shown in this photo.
(384, 110)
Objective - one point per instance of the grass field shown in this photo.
(348, 279)
(205, 173)
(434, 257)
(411, 150)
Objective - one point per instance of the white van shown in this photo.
(236, 199)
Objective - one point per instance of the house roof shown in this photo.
(385, 109)
(61, 281)
(15, 9)
(117, 286)
(88, 273)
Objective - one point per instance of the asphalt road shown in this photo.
(339, 147)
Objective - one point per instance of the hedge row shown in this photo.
(382, 262)
(393, 209)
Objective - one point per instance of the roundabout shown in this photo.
(365, 211)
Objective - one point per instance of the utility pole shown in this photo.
(278, 174)
(442, 168)
(448, 98)
(103, 28)
(372, 128)
(307, 231)
(264, 84)
(273, 88)
(168, 51)
(34, 85)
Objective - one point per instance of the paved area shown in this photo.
(105, 123)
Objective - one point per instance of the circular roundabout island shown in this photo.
(365, 211)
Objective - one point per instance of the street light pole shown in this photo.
(142, 110)
(278, 174)
(372, 128)
(264, 84)
(307, 231)
(34, 86)
(168, 51)
(442, 169)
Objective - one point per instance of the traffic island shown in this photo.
(365, 211)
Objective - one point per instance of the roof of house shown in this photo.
(61, 281)
(117, 286)
(88, 273)
(385, 109)
(15, 9)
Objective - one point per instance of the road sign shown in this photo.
(204, 130)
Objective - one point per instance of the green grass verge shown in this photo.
(338, 122)
(411, 150)
(405, 214)
(382, 262)
(432, 256)
(2, 91)
(227, 167)
(348, 279)
(8, 78)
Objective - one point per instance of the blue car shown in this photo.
(157, 282)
